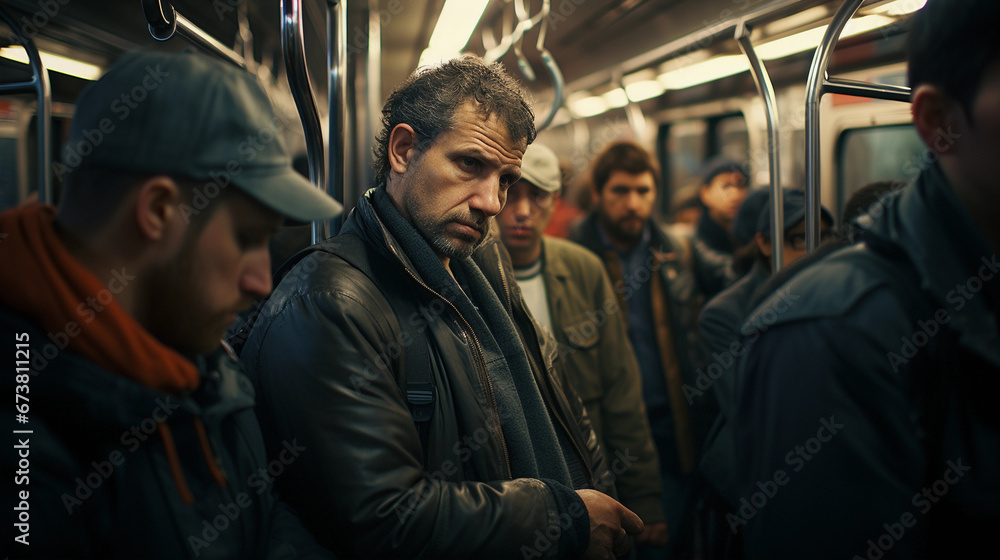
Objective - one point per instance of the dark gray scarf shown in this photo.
(535, 450)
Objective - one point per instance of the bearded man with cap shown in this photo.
(140, 433)
(568, 291)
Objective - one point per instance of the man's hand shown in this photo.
(610, 525)
(655, 534)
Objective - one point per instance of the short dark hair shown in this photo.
(91, 194)
(428, 99)
(951, 44)
(623, 156)
(862, 199)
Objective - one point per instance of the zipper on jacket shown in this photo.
(484, 378)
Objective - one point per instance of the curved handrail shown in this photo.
(524, 24)
(814, 93)
(43, 90)
(766, 89)
(293, 48)
(560, 86)
(164, 21)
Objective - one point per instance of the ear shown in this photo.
(934, 116)
(764, 244)
(158, 212)
(402, 147)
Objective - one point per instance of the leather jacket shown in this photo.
(328, 354)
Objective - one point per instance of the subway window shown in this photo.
(866, 155)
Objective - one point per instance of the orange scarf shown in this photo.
(45, 283)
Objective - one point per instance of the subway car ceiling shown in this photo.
(656, 55)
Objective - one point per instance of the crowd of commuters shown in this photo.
(444, 379)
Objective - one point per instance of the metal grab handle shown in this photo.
(293, 48)
(40, 85)
(560, 85)
(524, 24)
(164, 21)
(814, 92)
(866, 89)
(763, 81)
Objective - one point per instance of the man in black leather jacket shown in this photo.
(492, 456)
(867, 424)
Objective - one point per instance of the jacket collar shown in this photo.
(588, 234)
(928, 224)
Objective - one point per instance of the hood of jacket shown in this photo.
(927, 223)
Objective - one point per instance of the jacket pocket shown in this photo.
(578, 352)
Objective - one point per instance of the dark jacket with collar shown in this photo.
(690, 273)
(595, 353)
(873, 396)
(713, 235)
(329, 354)
(99, 477)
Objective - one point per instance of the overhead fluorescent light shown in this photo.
(55, 63)
(582, 105)
(644, 89)
(899, 7)
(703, 72)
(455, 25)
(809, 40)
(615, 98)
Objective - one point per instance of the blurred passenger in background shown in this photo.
(722, 192)
(661, 280)
(569, 293)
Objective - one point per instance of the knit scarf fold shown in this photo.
(535, 450)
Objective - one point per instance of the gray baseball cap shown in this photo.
(192, 116)
(540, 167)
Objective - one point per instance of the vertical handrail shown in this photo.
(814, 94)
(766, 89)
(43, 90)
(374, 99)
(293, 48)
(164, 21)
(336, 37)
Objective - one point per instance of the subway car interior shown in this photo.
(673, 75)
